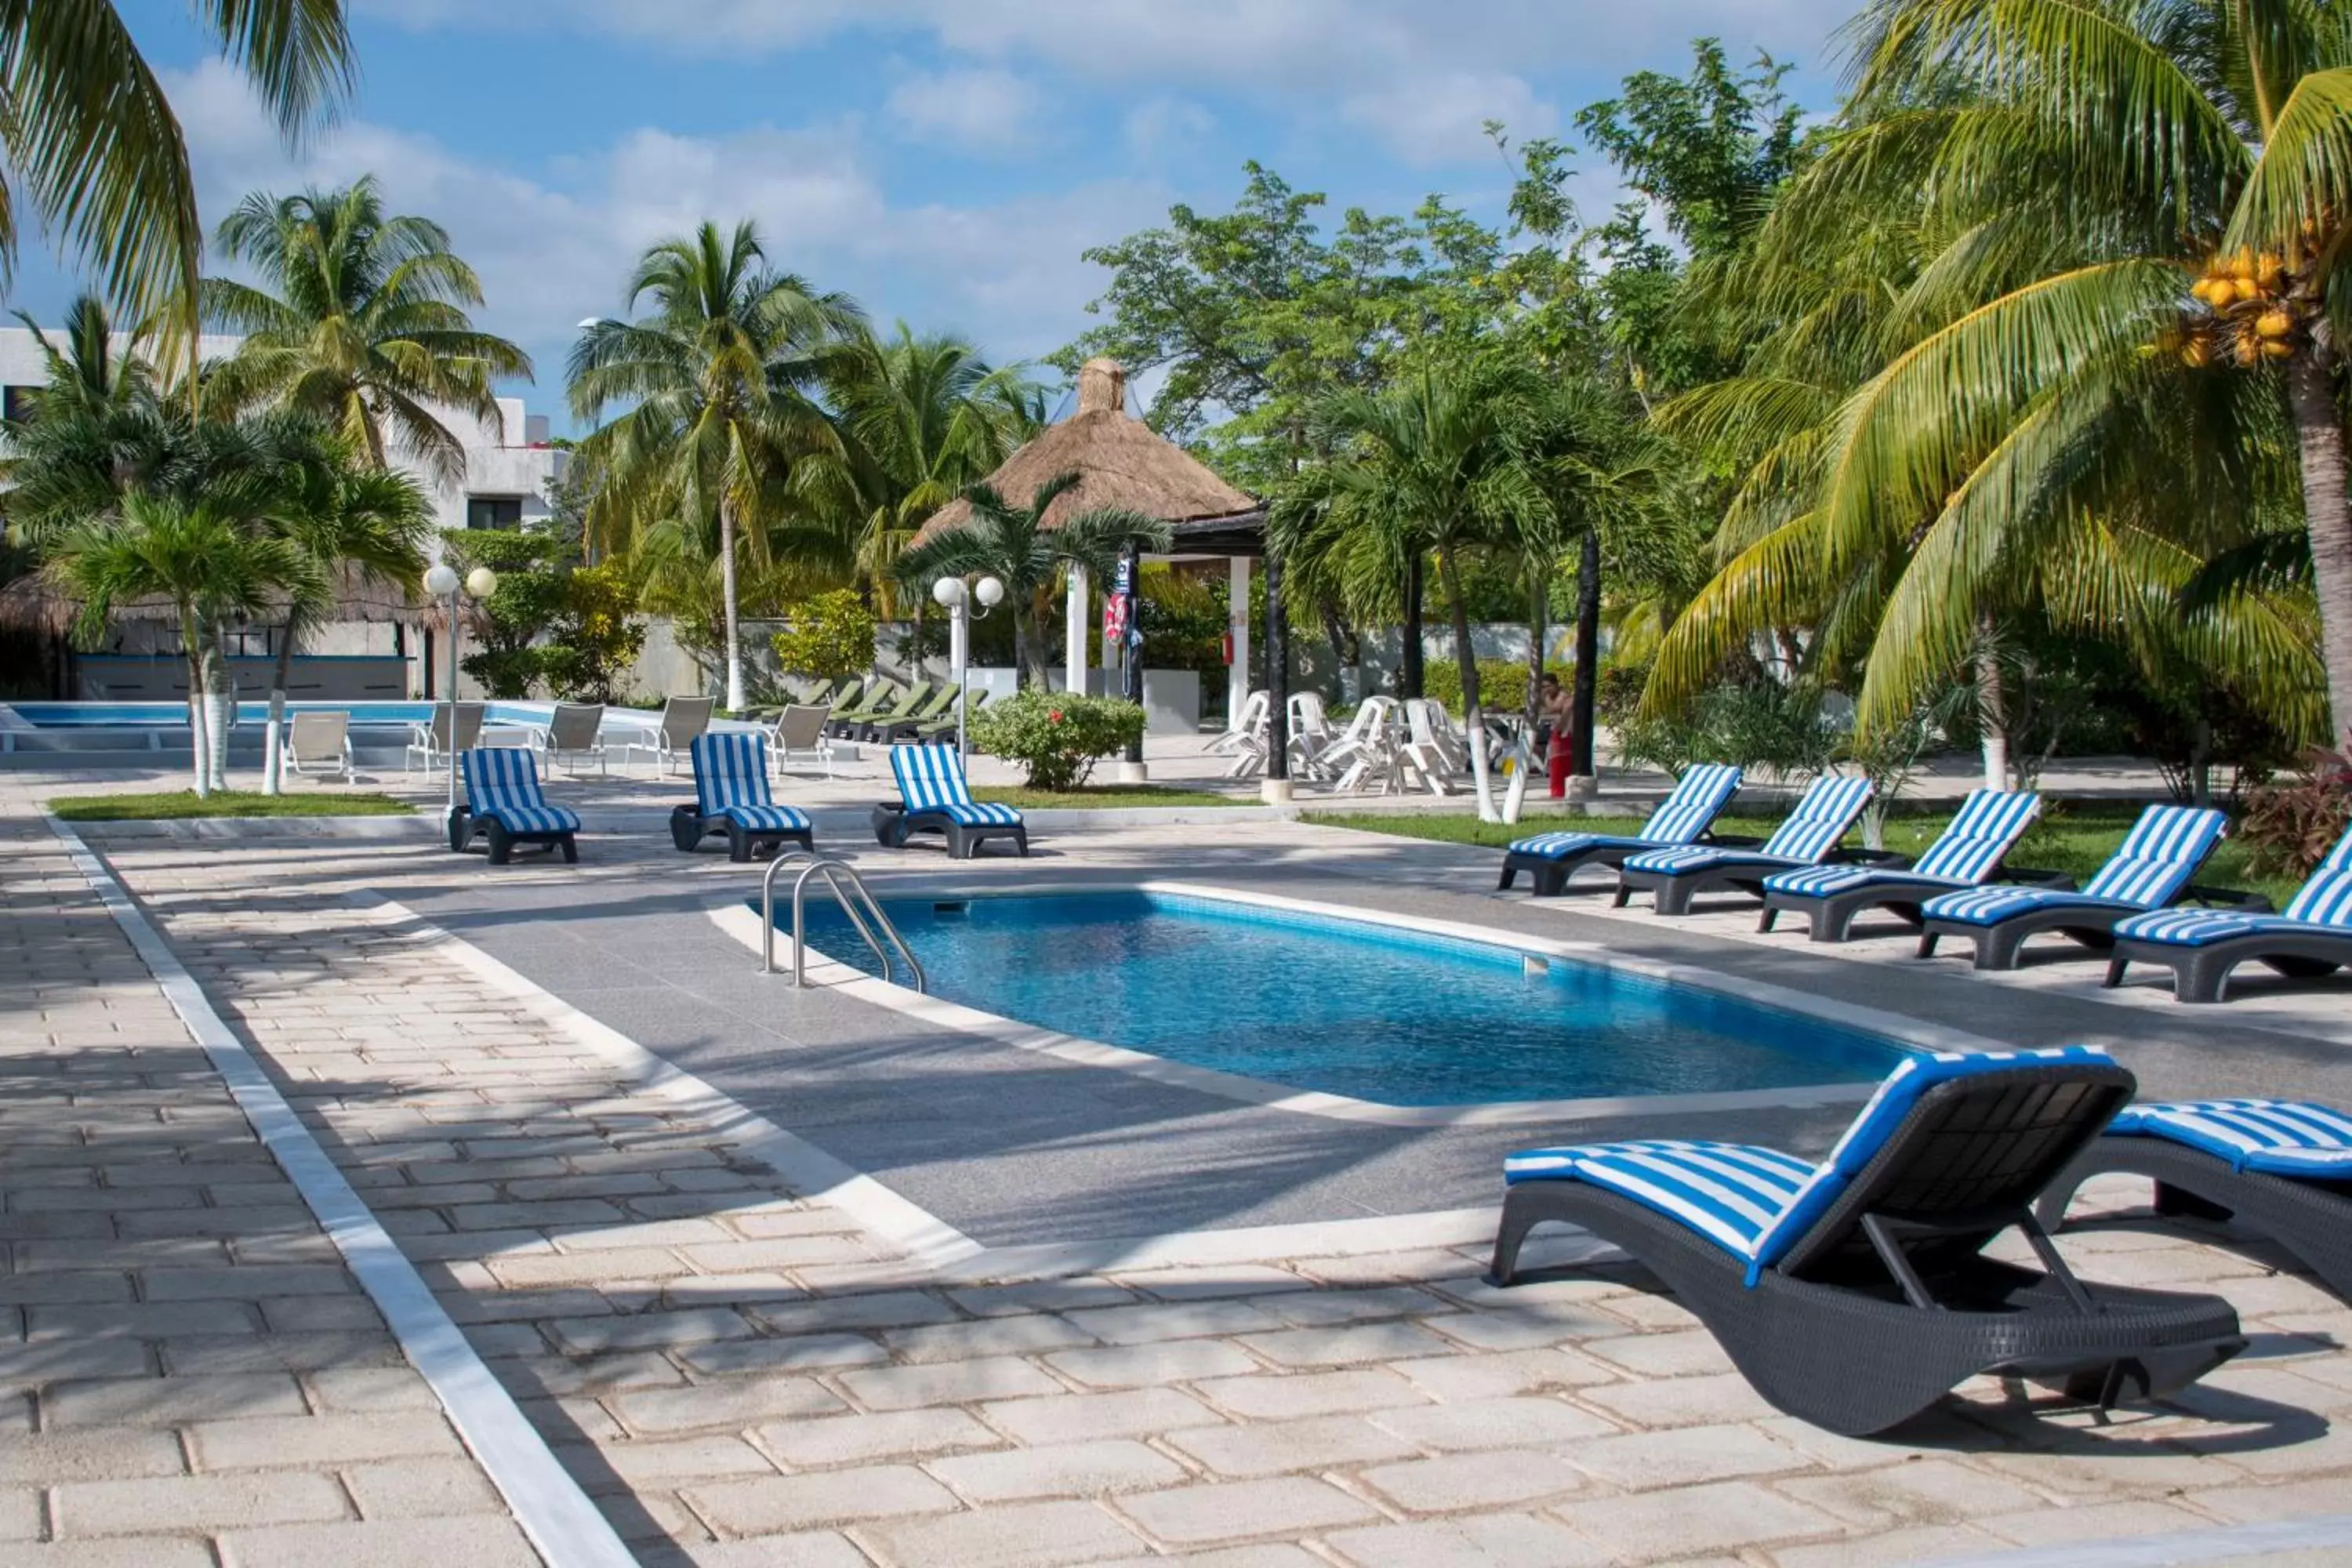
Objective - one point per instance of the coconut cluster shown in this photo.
(2255, 316)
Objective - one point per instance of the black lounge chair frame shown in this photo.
(2312, 1219)
(1831, 919)
(688, 828)
(893, 824)
(1549, 876)
(2089, 926)
(1671, 893)
(465, 827)
(2202, 974)
(1886, 1304)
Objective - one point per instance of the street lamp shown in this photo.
(443, 583)
(956, 599)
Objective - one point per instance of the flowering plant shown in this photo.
(1057, 738)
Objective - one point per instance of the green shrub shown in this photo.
(2289, 829)
(594, 639)
(1502, 684)
(1054, 735)
(830, 635)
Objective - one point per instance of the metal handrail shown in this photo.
(833, 872)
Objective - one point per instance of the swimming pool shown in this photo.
(175, 715)
(1351, 1008)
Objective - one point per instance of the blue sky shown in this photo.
(944, 161)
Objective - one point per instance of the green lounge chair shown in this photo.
(940, 702)
(909, 701)
(877, 701)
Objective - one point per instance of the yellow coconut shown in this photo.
(2248, 291)
(2194, 356)
(2274, 324)
(2277, 349)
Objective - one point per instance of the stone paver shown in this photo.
(188, 1375)
(743, 1375)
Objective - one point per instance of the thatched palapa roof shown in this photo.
(32, 603)
(1120, 461)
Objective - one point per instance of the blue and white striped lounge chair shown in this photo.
(1966, 853)
(2281, 1168)
(934, 798)
(730, 797)
(2313, 938)
(1677, 874)
(1699, 796)
(503, 804)
(2152, 868)
(1854, 1294)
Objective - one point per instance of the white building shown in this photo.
(508, 469)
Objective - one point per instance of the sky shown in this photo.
(945, 162)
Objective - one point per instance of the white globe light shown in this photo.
(949, 591)
(442, 581)
(481, 582)
(990, 591)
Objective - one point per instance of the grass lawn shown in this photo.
(183, 804)
(1101, 797)
(2076, 839)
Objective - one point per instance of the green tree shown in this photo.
(359, 321)
(210, 563)
(830, 635)
(93, 148)
(593, 638)
(96, 373)
(718, 374)
(507, 627)
(1015, 546)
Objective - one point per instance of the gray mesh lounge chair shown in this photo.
(1684, 817)
(683, 719)
(2151, 868)
(319, 743)
(2312, 939)
(432, 742)
(1855, 1294)
(2281, 1168)
(801, 728)
(1966, 853)
(941, 730)
(573, 736)
(1679, 873)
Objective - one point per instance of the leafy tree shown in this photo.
(593, 638)
(1015, 545)
(93, 148)
(831, 637)
(718, 373)
(359, 321)
(531, 598)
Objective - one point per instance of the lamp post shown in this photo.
(443, 583)
(956, 599)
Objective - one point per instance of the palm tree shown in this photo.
(91, 375)
(209, 565)
(1013, 544)
(1434, 461)
(920, 418)
(93, 146)
(360, 322)
(718, 372)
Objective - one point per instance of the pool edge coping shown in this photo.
(741, 922)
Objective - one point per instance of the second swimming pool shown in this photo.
(1350, 1007)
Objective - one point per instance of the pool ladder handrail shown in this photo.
(850, 891)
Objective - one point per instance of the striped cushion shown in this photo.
(1698, 798)
(2326, 898)
(1972, 845)
(2203, 928)
(1757, 1203)
(1561, 845)
(1990, 906)
(1684, 858)
(2283, 1137)
(766, 818)
(930, 778)
(1821, 881)
(1823, 812)
(2159, 856)
(729, 770)
(503, 785)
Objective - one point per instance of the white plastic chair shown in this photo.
(1422, 752)
(1368, 749)
(319, 743)
(1250, 721)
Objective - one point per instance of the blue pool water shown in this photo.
(1349, 1007)
(169, 715)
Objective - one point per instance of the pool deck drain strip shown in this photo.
(567, 1529)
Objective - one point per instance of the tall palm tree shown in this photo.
(94, 373)
(1013, 544)
(719, 372)
(920, 418)
(359, 321)
(209, 563)
(89, 142)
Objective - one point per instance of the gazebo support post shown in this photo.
(1074, 633)
(1237, 626)
(1275, 790)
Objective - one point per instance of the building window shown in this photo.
(494, 512)
(16, 403)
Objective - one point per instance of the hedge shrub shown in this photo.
(1054, 735)
(1502, 684)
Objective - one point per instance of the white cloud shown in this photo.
(1442, 117)
(1159, 124)
(987, 110)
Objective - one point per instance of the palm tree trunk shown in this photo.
(2319, 434)
(1584, 699)
(191, 644)
(1537, 631)
(1474, 715)
(1992, 710)
(1020, 643)
(729, 608)
(272, 762)
(1408, 676)
(220, 707)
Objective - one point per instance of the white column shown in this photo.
(957, 655)
(1074, 634)
(1237, 622)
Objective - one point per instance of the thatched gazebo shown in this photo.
(1121, 461)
